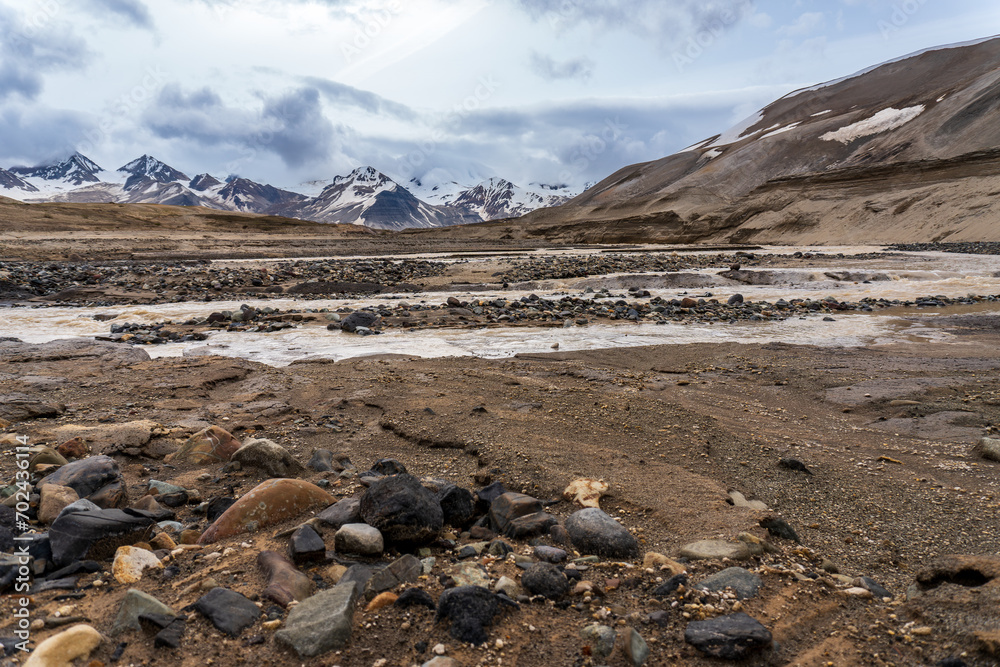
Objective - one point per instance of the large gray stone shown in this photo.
(321, 623)
(83, 350)
(404, 570)
(731, 637)
(715, 550)
(594, 532)
(743, 582)
(133, 605)
(341, 513)
(268, 456)
(358, 538)
(96, 478)
(988, 448)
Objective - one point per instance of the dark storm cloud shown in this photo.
(550, 69)
(342, 94)
(32, 45)
(38, 136)
(292, 125)
(134, 12)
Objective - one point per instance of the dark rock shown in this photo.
(403, 570)
(731, 637)
(470, 609)
(414, 597)
(306, 546)
(876, 589)
(594, 532)
(794, 464)
(96, 478)
(600, 639)
(550, 554)
(636, 649)
(341, 513)
(358, 575)
(388, 467)
(97, 534)
(321, 623)
(217, 507)
(660, 618)
(743, 582)
(560, 535)
(321, 461)
(670, 585)
(171, 635)
(509, 506)
(735, 300)
(457, 505)
(488, 494)
(360, 318)
(545, 579)
(228, 611)
(778, 527)
(499, 548)
(531, 525)
(284, 582)
(404, 511)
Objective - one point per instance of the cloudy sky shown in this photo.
(537, 91)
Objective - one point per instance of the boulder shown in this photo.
(53, 499)
(210, 445)
(268, 503)
(321, 623)
(96, 478)
(130, 562)
(545, 579)
(22, 407)
(62, 649)
(341, 513)
(359, 319)
(358, 538)
(470, 609)
(595, 532)
(135, 604)
(96, 534)
(987, 448)
(743, 582)
(731, 637)
(306, 546)
(404, 570)
(268, 456)
(457, 504)
(284, 582)
(715, 550)
(228, 611)
(406, 513)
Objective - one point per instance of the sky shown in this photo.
(555, 92)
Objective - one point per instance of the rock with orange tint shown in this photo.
(131, 561)
(211, 445)
(586, 492)
(381, 600)
(269, 502)
(74, 449)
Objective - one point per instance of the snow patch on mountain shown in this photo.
(883, 121)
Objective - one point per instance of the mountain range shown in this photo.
(905, 150)
(364, 197)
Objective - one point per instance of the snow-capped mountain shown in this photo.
(9, 181)
(77, 169)
(494, 198)
(366, 196)
(242, 194)
(146, 169)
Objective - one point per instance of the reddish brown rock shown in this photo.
(211, 445)
(74, 449)
(284, 582)
(269, 502)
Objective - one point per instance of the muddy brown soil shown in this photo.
(885, 433)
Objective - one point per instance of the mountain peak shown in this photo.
(76, 169)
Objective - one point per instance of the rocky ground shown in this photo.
(781, 504)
